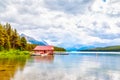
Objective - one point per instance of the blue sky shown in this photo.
(66, 23)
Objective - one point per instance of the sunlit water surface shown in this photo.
(68, 67)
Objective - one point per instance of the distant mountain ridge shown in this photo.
(75, 48)
(34, 41)
(108, 48)
(79, 47)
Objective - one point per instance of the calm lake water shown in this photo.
(62, 67)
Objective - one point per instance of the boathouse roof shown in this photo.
(43, 48)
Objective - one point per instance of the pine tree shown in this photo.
(15, 40)
(6, 39)
(23, 43)
(1, 38)
(10, 39)
(7, 44)
(8, 29)
(1, 43)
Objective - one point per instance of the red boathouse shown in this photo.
(43, 50)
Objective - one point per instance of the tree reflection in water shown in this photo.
(9, 66)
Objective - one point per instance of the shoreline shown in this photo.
(14, 53)
(87, 52)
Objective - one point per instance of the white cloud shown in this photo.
(62, 27)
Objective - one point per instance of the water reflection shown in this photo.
(67, 67)
(48, 58)
(9, 66)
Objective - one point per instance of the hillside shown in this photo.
(109, 48)
(59, 48)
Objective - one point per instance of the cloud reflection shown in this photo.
(71, 67)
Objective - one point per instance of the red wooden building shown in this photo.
(38, 50)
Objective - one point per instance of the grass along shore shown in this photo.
(14, 53)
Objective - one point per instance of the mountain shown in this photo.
(108, 48)
(34, 41)
(79, 47)
(42, 42)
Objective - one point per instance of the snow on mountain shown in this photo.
(33, 41)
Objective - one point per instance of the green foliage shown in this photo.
(13, 53)
(10, 39)
(1, 48)
(109, 48)
(23, 43)
(59, 49)
(1, 41)
(7, 45)
(1, 36)
(30, 47)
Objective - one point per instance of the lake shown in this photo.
(75, 66)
